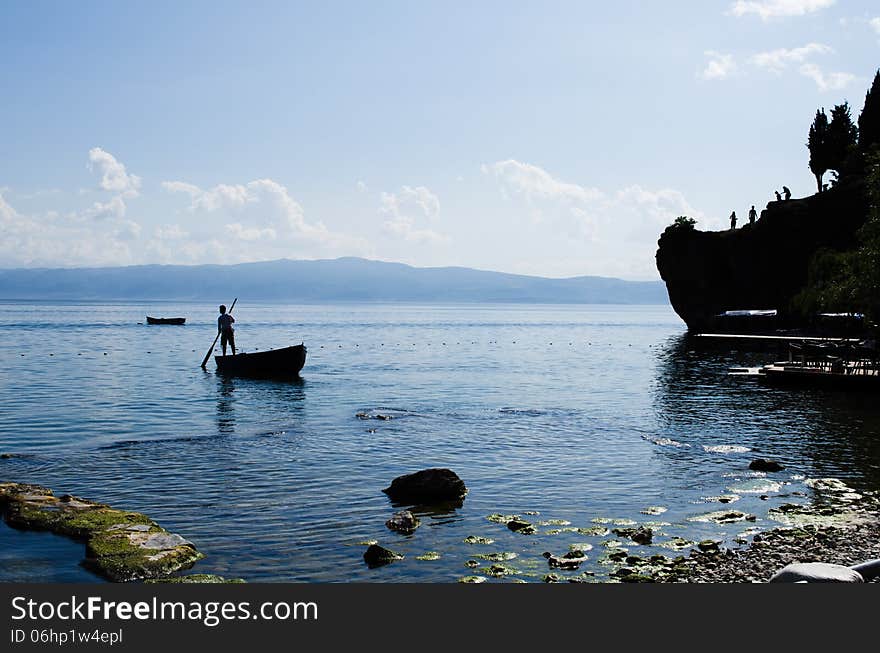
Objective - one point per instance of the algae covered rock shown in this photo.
(197, 579)
(521, 526)
(640, 535)
(120, 545)
(427, 486)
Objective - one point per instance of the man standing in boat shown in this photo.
(224, 328)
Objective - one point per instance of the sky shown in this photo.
(556, 138)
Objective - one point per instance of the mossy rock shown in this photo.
(120, 545)
(123, 554)
(522, 527)
(501, 556)
(637, 578)
(475, 539)
(472, 579)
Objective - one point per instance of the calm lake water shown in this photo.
(578, 413)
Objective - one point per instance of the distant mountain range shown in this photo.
(342, 279)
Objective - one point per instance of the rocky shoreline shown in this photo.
(771, 551)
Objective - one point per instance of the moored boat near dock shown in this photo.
(271, 363)
(843, 365)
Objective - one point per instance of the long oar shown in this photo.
(208, 355)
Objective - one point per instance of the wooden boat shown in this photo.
(165, 320)
(273, 362)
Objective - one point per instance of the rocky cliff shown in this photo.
(758, 266)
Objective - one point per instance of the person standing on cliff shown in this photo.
(753, 215)
(778, 196)
(786, 192)
(732, 220)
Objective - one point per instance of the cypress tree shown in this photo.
(869, 119)
(817, 142)
(842, 137)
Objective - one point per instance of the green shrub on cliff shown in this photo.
(849, 281)
(682, 222)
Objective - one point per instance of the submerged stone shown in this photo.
(429, 556)
(502, 556)
(764, 465)
(570, 560)
(498, 518)
(520, 526)
(597, 531)
(403, 522)
(654, 510)
(723, 517)
(426, 487)
(472, 579)
(196, 578)
(474, 539)
(640, 535)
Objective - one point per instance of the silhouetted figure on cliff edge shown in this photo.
(778, 196)
(733, 220)
(753, 215)
(786, 192)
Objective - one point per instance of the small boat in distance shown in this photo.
(165, 320)
(286, 362)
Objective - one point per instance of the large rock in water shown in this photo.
(758, 266)
(427, 486)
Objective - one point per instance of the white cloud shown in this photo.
(778, 8)
(113, 178)
(115, 208)
(113, 174)
(402, 209)
(419, 199)
(52, 240)
(875, 23)
(778, 60)
(827, 81)
(170, 232)
(613, 232)
(719, 66)
(535, 183)
(404, 227)
(260, 218)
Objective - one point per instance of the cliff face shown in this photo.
(759, 266)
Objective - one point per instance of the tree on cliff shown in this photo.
(850, 281)
(817, 142)
(841, 139)
(869, 119)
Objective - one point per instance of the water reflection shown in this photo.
(225, 406)
(267, 399)
(823, 432)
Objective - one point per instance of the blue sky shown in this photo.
(552, 138)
